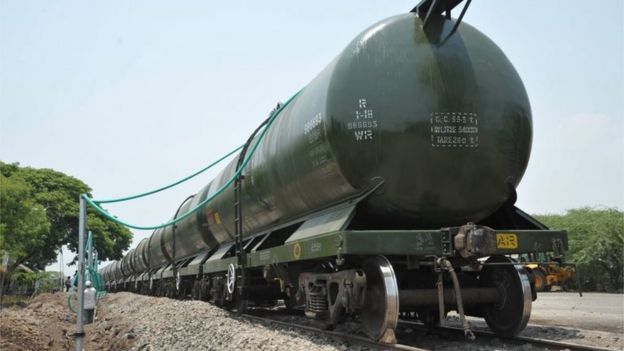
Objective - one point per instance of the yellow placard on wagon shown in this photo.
(506, 241)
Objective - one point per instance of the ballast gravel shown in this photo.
(165, 324)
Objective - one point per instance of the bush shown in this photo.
(596, 240)
(27, 283)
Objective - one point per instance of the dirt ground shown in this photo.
(47, 324)
(593, 311)
(596, 319)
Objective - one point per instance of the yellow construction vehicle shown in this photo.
(547, 272)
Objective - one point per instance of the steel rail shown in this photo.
(342, 336)
(540, 342)
(562, 345)
(545, 342)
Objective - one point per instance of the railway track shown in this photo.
(482, 335)
(360, 340)
(407, 343)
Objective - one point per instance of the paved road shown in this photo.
(593, 311)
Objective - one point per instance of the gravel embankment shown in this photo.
(165, 324)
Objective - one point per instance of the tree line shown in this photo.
(596, 241)
(39, 214)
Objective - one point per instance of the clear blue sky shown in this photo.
(128, 96)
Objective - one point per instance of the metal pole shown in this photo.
(90, 253)
(3, 273)
(81, 233)
(62, 273)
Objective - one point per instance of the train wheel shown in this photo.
(511, 313)
(178, 284)
(231, 279)
(380, 313)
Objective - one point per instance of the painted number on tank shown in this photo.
(454, 129)
(313, 123)
(264, 255)
(506, 241)
(318, 149)
(316, 246)
(364, 122)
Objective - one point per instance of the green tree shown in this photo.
(57, 194)
(24, 227)
(596, 240)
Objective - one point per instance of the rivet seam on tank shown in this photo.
(454, 129)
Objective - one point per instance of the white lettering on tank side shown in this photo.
(423, 242)
(318, 149)
(364, 122)
(363, 134)
(454, 129)
(316, 246)
(264, 256)
(312, 123)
